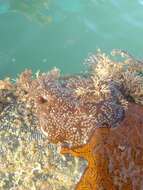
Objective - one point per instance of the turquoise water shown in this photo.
(41, 34)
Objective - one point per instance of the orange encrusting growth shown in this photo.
(114, 155)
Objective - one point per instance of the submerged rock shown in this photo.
(27, 161)
(96, 117)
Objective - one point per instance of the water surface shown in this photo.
(41, 34)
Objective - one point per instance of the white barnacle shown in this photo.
(121, 147)
(80, 91)
(45, 133)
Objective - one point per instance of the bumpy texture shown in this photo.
(70, 108)
(27, 160)
(97, 116)
(114, 155)
(68, 116)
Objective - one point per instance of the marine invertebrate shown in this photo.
(82, 111)
(67, 117)
(97, 116)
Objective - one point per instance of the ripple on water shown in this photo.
(140, 2)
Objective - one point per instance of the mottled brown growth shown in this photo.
(94, 115)
(98, 116)
(65, 115)
(69, 109)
